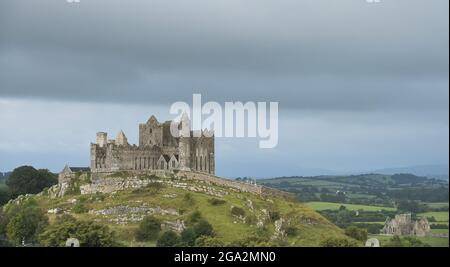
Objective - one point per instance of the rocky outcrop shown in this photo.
(176, 226)
(125, 214)
(144, 209)
(279, 229)
(105, 184)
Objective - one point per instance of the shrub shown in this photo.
(372, 228)
(407, 241)
(274, 215)
(79, 207)
(89, 233)
(203, 228)
(236, 211)
(188, 237)
(291, 231)
(149, 229)
(354, 232)
(338, 242)
(439, 226)
(216, 201)
(208, 241)
(259, 237)
(168, 239)
(64, 218)
(199, 229)
(194, 217)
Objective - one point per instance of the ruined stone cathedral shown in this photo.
(157, 150)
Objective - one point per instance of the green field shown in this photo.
(437, 205)
(432, 241)
(439, 231)
(335, 206)
(440, 216)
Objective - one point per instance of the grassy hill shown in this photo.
(123, 210)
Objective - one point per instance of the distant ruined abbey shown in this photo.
(403, 224)
(158, 149)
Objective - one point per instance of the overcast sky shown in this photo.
(361, 85)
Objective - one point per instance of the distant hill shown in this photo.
(439, 171)
(380, 189)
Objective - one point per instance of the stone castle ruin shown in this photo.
(117, 165)
(158, 149)
(403, 224)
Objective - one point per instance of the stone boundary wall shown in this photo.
(107, 182)
(165, 174)
(244, 187)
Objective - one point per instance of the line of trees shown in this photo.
(26, 180)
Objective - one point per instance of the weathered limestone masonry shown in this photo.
(116, 165)
(108, 182)
(243, 187)
(157, 150)
(403, 224)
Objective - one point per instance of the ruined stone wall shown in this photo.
(203, 154)
(150, 133)
(108, 182)
(403, 224)
(244, 187)
(115, 158)
(155, 140)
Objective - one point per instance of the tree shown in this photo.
(28, 180)
(89, 233)
(26, 225)
(168, 239)
(408, 206)
(356, 233)
(149, 229)
(5, 195)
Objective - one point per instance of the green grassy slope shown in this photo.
(312, 228)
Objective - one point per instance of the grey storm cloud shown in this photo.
(306, 54)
